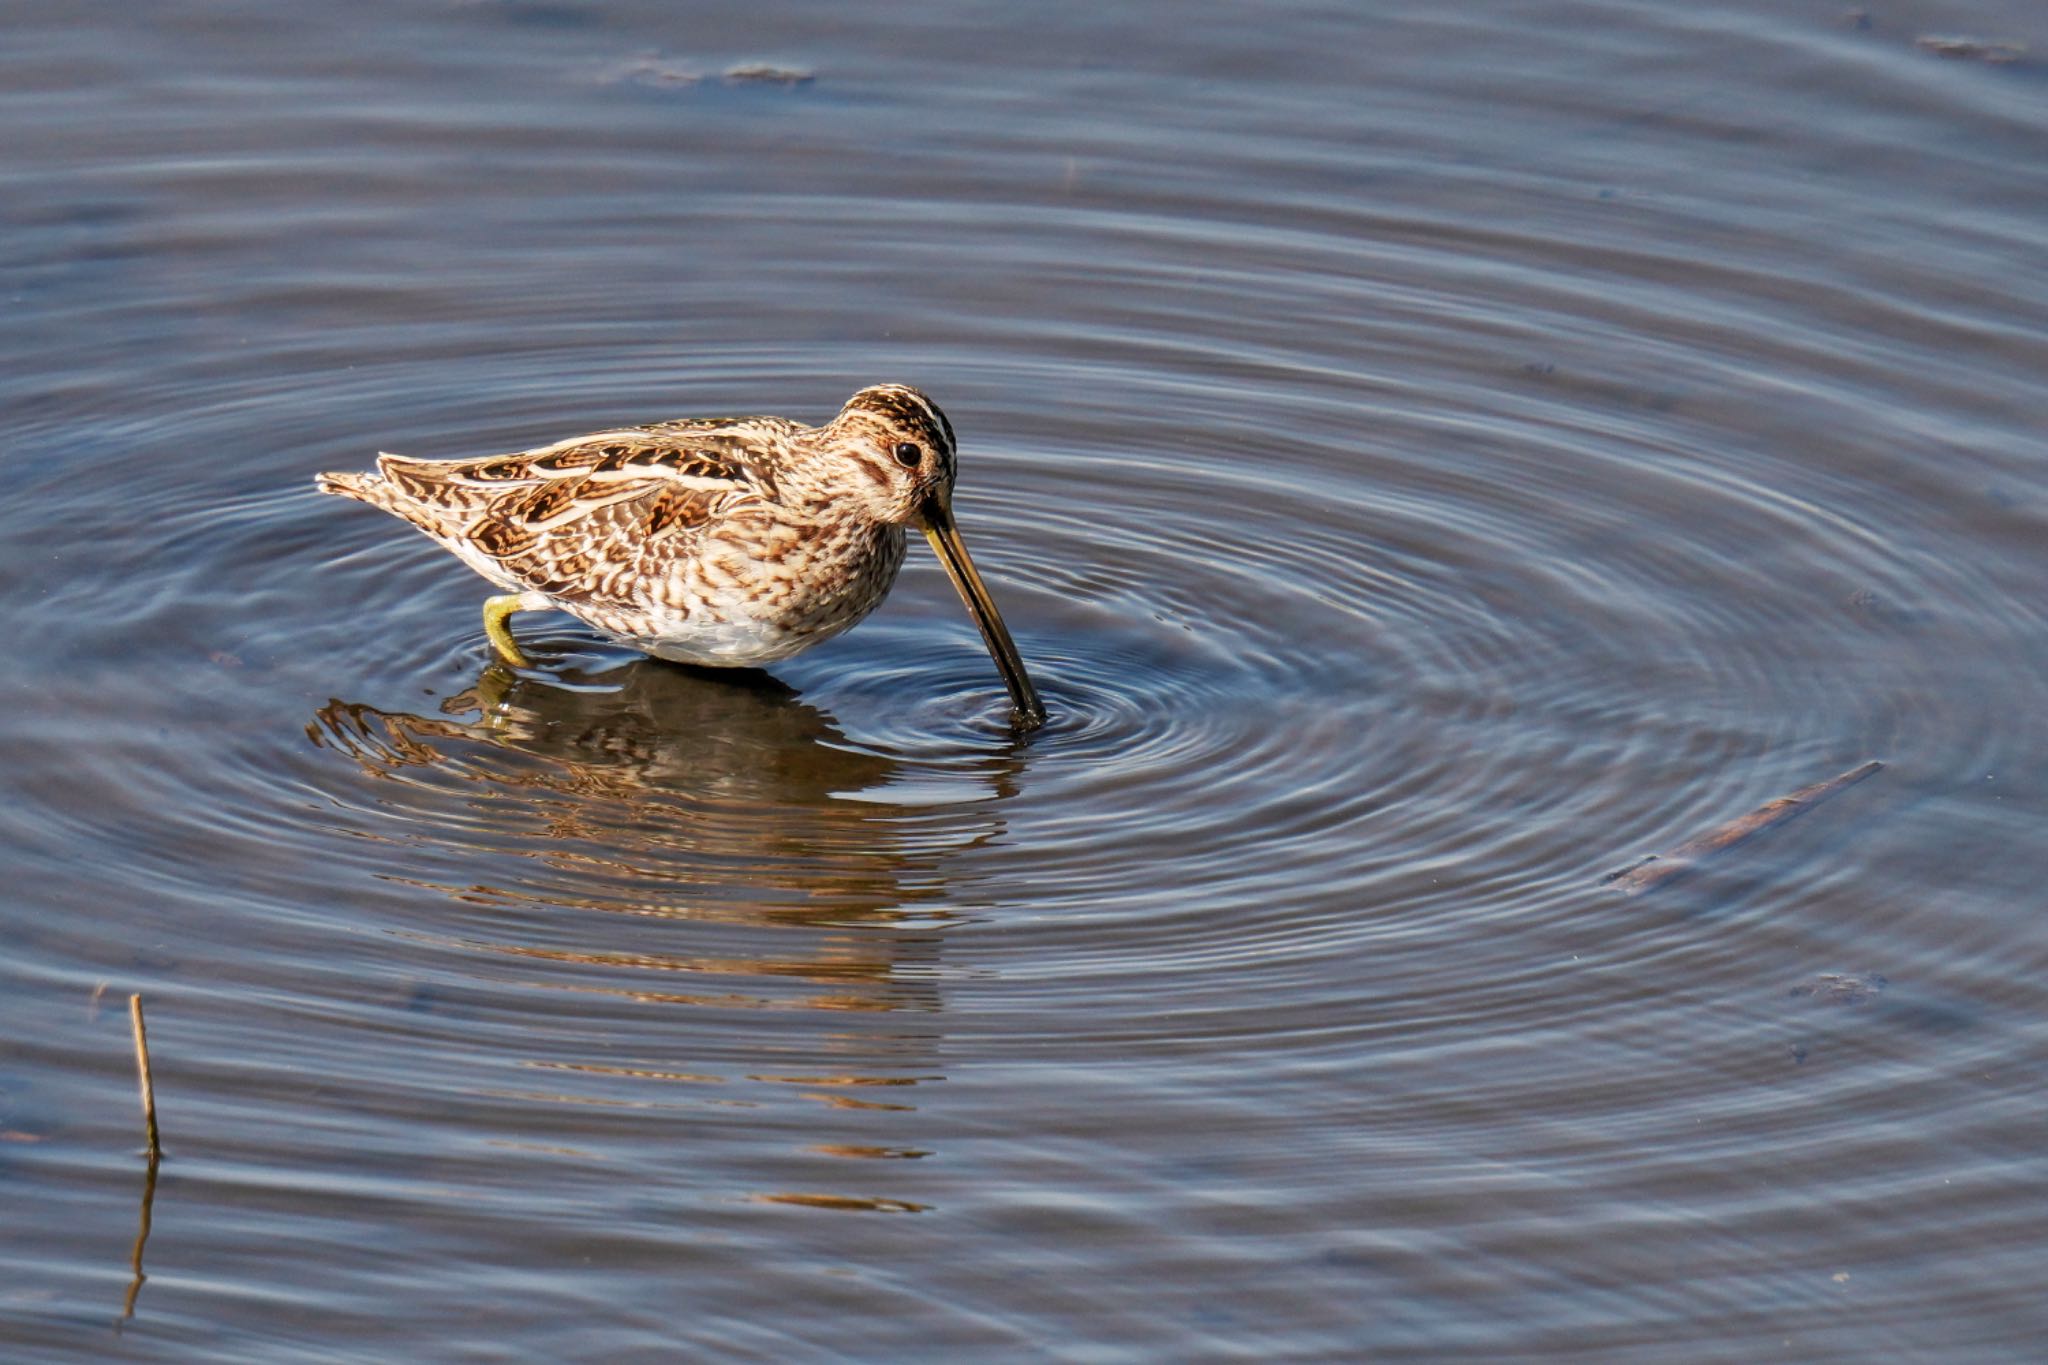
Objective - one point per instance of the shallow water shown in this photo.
(1427, 460)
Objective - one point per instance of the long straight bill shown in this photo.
(946, 543)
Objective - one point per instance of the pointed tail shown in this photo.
(355, 486)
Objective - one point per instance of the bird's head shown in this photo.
(898, 453)
(892, 453)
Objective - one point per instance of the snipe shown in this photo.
(727, 542)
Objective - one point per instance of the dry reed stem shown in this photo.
(142, 1069)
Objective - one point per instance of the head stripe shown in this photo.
(910, 412)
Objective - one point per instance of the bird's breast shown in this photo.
(762, 589)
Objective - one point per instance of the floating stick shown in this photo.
(1656, 870)
(142, 1069)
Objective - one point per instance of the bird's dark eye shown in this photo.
(908, 455)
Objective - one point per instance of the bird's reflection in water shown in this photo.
(664, 835)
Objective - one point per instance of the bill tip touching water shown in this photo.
(721, 542)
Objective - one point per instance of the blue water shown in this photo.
(1427, 459)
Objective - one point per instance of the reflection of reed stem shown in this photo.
(141, 1240)
(142, 1069)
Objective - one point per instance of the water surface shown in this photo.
(1428, 460)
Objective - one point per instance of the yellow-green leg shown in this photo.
(496, 610)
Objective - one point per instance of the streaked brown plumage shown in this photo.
(720, 541)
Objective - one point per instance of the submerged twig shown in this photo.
(1655, 870)
(142, 1070)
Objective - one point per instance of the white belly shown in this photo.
(735, 625)
(725, 644)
